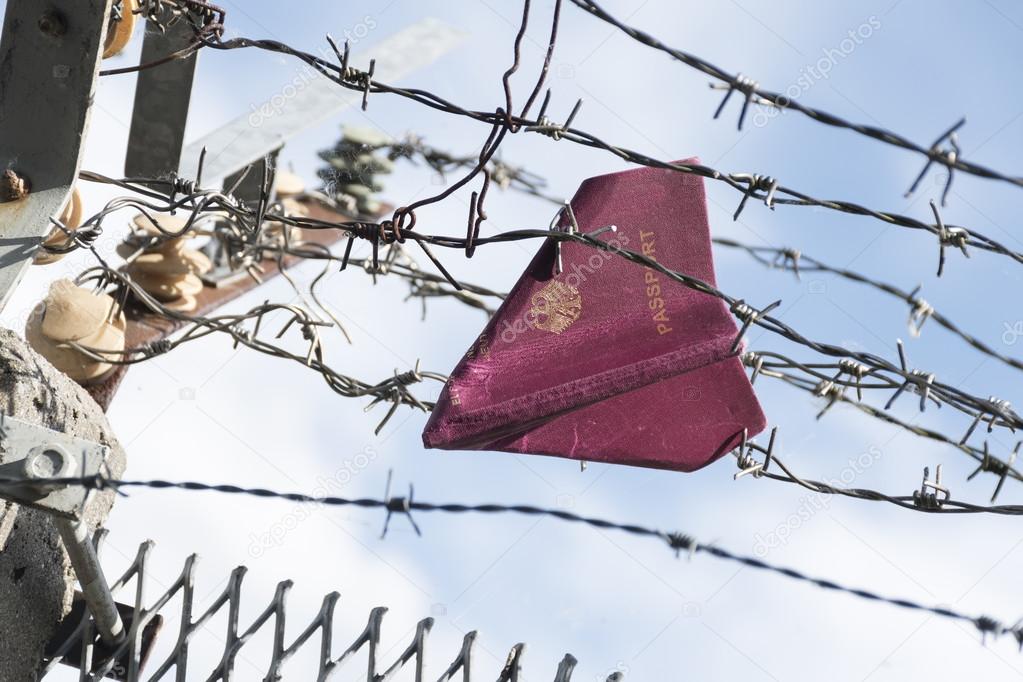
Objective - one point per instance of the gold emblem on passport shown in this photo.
(555, 307)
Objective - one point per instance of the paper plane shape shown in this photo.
(609, 361)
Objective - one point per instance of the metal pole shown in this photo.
(53, 460)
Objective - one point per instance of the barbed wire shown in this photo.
(399, 228)
(751, 185)
(797, 261)
(900, 378)
(816, 380)
(932, 497)
(950, 158)
(675, 541)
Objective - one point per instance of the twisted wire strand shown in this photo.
(676, 541)
(922, 500)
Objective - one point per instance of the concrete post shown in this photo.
(36, 580)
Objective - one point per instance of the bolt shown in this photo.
(12, 186)
(52, 23)
(47, 461)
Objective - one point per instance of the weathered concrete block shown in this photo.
(36, 580)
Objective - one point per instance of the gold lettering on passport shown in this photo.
(481, 347)
(655, 301)
(555, 307)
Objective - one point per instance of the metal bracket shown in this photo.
(162, 98)
(32, 452)
(35, 452)
(49, 60)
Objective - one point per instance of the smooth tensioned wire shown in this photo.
(750, 89)
(678, 542)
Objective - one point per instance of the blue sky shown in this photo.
(211, 413)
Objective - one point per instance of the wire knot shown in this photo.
(545, 126)
(996, 466)
(919, 311)
(398, 505)
(755, 183)
(931, 495)
(947, 156)
(853, 369)
(832, 391)
(916, 381)
(680, 542)
(788, 259)
(754, 360)
(989, 626)
(744, 84)
(749, 316)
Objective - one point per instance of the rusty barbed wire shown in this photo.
(675, 541)
(899, 378)
(750, 185)
(400, 227)
(950, 158)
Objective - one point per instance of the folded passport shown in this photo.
(609, 361)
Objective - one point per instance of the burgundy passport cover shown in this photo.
(609, 361)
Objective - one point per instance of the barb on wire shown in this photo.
(895, 375)
(948, 157)
(405, 219)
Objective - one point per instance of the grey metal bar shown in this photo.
(50, 54)
(162, 98)
(78, 543)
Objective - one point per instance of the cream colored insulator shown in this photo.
(71, 217)
(288, 187)
(68, 314)
(170, 270)
(120, 29)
